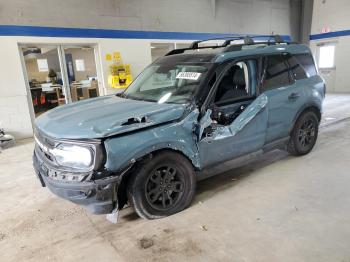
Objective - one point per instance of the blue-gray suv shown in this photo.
(186, 113)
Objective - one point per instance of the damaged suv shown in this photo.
(184, 114)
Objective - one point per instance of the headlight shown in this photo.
(74, 156)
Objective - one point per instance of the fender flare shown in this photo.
(309, 106)
(123, 185)
(191, 155)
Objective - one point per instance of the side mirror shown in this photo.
(215, 112)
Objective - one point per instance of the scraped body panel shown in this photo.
(244, 135)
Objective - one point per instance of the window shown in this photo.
(168, 83)
(42, 65)
(326, 56)
(80, 65)
(302, 66)
(296, 68)
(307, 62)
(277, 73)
(236, 83)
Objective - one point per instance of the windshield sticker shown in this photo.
(188, 75)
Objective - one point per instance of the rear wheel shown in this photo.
(162, 186)
(304, 134)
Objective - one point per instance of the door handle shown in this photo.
(293, 96)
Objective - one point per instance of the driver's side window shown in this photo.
(237, 83)
(235, 90)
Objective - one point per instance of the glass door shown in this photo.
(43, 68)
(81, 72)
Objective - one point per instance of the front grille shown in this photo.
(42, 147)
(44, 139)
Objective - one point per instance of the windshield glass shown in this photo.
(164, 83)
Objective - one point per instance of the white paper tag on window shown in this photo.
(188, 75)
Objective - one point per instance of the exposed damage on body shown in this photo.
(183, 115)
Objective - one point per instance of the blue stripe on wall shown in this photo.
(14, 30)
(330, 35)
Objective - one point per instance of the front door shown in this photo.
(236, 120)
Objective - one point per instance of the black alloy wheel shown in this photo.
(162, 185)
(304, 135)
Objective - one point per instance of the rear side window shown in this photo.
(296, 68)
(307, 62)
(302, 66)
(277, 73)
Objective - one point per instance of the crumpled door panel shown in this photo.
(244, 135)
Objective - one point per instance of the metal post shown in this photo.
(64, 72)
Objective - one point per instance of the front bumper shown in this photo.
(98, 196)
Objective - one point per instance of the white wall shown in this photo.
(219, 16)
(333, 15)
(14, 109)
(330, 13)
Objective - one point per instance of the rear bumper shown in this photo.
(98, 196)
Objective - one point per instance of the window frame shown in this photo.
(219, 74)
(263, 77)
(294, 56)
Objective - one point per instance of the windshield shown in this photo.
(164, 83)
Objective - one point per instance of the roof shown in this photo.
(269, 49)
(199, 57)
(220, 53)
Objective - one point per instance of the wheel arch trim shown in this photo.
(307, 107)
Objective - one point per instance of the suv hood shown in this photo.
(104, 116)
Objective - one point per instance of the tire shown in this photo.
(304, 134)
(162, 186)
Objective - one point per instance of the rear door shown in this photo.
(284, 96)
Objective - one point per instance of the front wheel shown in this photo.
(304, 134)
(162, 186)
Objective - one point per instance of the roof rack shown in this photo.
(247, 40)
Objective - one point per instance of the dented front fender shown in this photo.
(179, 136)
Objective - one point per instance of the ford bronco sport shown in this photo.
(187, 112)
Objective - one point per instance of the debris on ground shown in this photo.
(167, 230)
(146, 242)
(2, 236)
(204, 228)
(6, 140)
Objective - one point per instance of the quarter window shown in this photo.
(307, 62)
(277, 73)
(296, 68)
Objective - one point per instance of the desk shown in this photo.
(81, 91)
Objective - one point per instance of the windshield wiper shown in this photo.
(122, 95)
